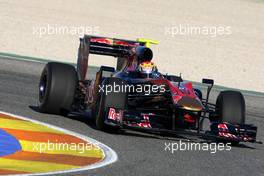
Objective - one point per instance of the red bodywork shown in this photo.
(187, 106)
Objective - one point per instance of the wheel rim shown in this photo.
(42, 87)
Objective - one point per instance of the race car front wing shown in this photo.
(220, 131)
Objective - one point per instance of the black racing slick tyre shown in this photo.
(121, 62)
(57, 87)
(231, 107)
(108, 100)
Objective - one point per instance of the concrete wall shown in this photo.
(234, 57)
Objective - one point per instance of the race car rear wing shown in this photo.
(109, 46)
(119, 48)
(101, 46)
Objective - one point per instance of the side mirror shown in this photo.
(174, 78)
(107, 69)
(208, 81)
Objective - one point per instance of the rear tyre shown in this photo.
(121, 63)
(231, 107)
(113, 99)
(57, 87)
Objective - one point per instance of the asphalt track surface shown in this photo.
(138, 153)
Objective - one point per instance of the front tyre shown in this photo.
(57, 87)
(231, 107)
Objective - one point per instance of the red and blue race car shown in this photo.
(135, 95)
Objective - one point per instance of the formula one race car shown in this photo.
(135, 95)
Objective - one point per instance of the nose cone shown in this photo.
(191, 104)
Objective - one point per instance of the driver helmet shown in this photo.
(147, 68)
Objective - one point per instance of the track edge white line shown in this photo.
(110, 155)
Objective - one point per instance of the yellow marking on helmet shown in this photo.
(147, 64)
